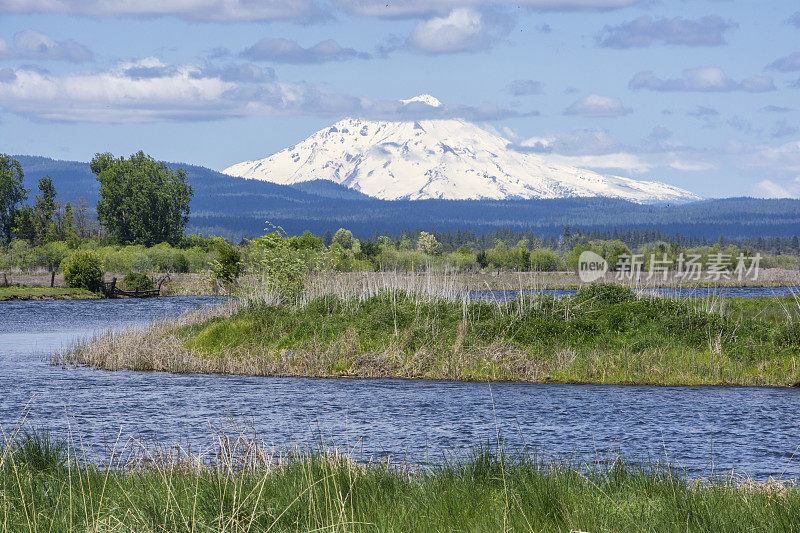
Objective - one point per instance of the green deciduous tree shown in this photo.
(45, 209)
(544, 260)
(12, 193)
(428, 244)
(25, 224)
(142, 200)
(344, 238)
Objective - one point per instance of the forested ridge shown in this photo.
(235, 207)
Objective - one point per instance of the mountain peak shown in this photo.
(425, 99)
(439, 158)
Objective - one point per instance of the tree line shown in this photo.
(141, 201)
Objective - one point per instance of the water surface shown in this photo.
(753, 430)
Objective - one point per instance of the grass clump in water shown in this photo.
(602, 334)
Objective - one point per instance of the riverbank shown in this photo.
(16, 293)
(242, 485)
(604, 334)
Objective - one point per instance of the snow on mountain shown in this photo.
(442, 158)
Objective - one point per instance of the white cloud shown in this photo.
(462, 30)
(32, 44)
(702, 79)
(205, 10)
(579, 142)
(770, 189)
(597, 106)
(621, 160)
(781, 161)
(689, 166)
(599, 150)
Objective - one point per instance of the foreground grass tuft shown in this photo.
(46, 486)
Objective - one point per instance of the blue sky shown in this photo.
(701, 94)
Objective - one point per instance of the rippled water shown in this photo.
(754, 430)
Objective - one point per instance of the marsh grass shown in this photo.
(15, 292)
(48, 484)
(427, 327)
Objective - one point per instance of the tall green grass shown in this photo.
(604, 333)
(47, 485)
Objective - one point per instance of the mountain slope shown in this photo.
(439, 159)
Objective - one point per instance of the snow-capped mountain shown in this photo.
(441, 158)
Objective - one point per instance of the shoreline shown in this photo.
(353, 377)
(22, 294)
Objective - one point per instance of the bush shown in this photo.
(135, 281)
(544, 260)
(281, 268)
(228, 265)
(181, 263)
(605, 293)
(82, 270)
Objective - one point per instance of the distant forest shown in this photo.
(632, 238)
(235, 208)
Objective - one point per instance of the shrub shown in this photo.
(281, 268)
(135, 281)
(605, 293)
(228, 264)
(544, 260)
(181, 263)
(82, 270)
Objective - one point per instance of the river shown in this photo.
(750, 429)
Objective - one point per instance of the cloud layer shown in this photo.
(35, 45)
(152, 91)
(703, 79)
(300, 10)
(646, 31)
(788, 63)
(202, 10)
(426, 8)
(286, 51)
(525, 87)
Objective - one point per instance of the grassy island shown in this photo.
(603, 334)
(44, 293)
